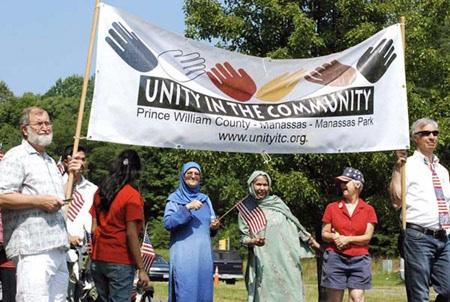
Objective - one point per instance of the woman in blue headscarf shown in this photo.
(190, 218)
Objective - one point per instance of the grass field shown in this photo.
(385, 287)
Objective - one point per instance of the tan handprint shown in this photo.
(279, 87)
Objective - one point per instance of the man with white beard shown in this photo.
(31, 197)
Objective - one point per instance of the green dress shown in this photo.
(273, 271)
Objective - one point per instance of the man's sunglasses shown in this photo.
(427, 133)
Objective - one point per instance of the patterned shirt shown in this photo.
(421, 205)
(31, 231)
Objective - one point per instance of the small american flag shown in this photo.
(88, 237)
(75, 205)
(252, 214)
(147, 252)
(61, 167)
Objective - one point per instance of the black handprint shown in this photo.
(130, 48)
(374, 62)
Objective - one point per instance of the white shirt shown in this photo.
(83, 220)
(31, 231)
(421, 204)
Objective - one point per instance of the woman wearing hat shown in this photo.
(348, 226)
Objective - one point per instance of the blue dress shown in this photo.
(191, 261)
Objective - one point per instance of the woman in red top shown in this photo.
(118, 217)
(348, 226)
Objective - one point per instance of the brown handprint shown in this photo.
(279, 87)
(236, 84)
(333, 74)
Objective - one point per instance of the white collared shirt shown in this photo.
(421, 204)
(83, 220)
(31, 231)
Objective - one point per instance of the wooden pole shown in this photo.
(402, 169)
(87, 71)
(232, 208)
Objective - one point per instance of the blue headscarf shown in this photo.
(185, 194)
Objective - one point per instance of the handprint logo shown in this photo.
(374, 62)
(332, 74)
(236, 84)
(279, 87)
(130, 48)
(192, 65)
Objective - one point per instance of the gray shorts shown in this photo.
(341, 271)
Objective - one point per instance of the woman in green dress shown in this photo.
(273, 269)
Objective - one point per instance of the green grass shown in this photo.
(385, 287)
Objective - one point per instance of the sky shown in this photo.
(45, 40)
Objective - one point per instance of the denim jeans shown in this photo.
(114, 282)
(427, 261)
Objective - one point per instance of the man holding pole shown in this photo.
(31, 197)
(426, 244)
(78, 218)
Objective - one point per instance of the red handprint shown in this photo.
(236, 84)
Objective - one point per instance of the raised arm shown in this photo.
(395, 187)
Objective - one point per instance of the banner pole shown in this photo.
(87, 70)
(402, 169)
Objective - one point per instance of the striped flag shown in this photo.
(61, 167)
(75, 205)
(252, 214)
(88, 237)
(147, 252)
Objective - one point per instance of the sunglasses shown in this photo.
(427, 133)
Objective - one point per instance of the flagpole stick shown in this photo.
(232, 208)
(227, 212)
(87, 71)
(402, 169)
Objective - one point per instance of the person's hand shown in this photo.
(332, 74)
(314, 244)
(130, 48)
(144, 280)
(74, 165)
(341, 242)
(75, 240)
(401, 156)
(215, 223)
(259, 241)
(375, 62)
(49, 203)
(279, 87)
(190, 65)
(236, 84)
(194, 205)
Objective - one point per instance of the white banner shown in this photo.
(155, 88)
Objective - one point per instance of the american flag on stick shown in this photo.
(147, 252)
(75, 205)
(252, 214)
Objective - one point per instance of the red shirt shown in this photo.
(110, 240)
(336, 213)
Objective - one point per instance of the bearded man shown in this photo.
(31, 197)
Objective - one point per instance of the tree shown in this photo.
(5, 93)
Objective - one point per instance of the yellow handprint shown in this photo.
(276, 89)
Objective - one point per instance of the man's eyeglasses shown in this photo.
(427, 133)
(40, 125)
